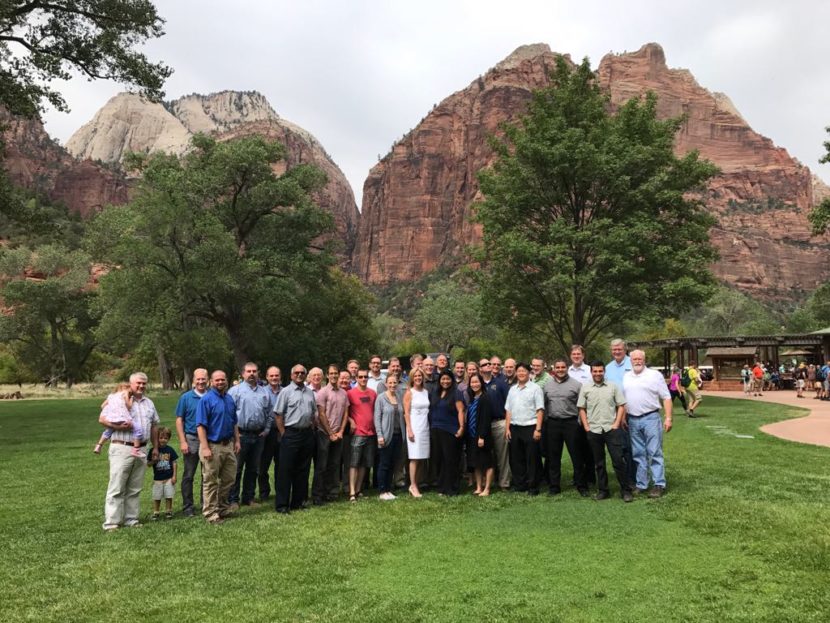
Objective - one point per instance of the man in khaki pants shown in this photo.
(218, 446)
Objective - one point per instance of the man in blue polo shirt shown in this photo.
(254, 420)
(615, 371)
(218, 446)
(497, 390)
(188, 436)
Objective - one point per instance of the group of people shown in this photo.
(503, 424)
(806, 377)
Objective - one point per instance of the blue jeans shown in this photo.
(647, 448)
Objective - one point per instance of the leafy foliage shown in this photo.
(589, 216)
(820, 215)
(217, 239)
(450, 315)
(41, 41)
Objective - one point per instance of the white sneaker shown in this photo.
(387, 496)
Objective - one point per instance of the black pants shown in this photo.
(270, 453)
(675, 393)
(386, 465)
(525, 458)
(448, 451)
(559, 432)
(247, 467)
(435, 458)
(296, 450)
(587, 455)
(614, 440)
(327, 457)
(628, 457)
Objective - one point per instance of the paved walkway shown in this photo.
(813, 429)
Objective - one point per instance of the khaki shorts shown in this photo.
(693, 394)
(163, 489)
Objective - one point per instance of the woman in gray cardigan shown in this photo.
(389, 422)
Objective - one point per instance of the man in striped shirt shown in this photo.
(127, 471)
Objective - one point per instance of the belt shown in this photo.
(643, 414)
(297, 428)
(127, 443)
(223, 442)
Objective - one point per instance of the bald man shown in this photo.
(189, 438)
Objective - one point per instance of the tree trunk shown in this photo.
(165, 369)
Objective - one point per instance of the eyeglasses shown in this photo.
(298, 373)
(363, 376)
(484, 364)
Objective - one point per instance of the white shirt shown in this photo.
(644, 391)
(377, 383)
(145, 411)
(581, 373)
(523, 403)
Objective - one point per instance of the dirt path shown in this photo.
(813, 429)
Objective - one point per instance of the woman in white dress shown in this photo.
(416, 414)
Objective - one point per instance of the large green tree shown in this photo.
(217, 239)
(588, 216)
(47, 318)
(41, 41)
(820, 214)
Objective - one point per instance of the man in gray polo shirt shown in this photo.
(295, 411)
(562, 428)
(601, 411)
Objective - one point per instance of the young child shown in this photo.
(116, 408)
(164, 475)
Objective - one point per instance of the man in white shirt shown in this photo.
(376, 378)
(644, 390)
(524, 412)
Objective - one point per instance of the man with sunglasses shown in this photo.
(294, 416)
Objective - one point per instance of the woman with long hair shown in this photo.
(416, 415)
(479, 439)
(446, 416)
(388, 418)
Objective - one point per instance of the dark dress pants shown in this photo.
(587, 455)
(614, 440)
(386, 465)
(327, 457)
(448, 449)
(296, 450)
(434, 463)
(270, 453)
(559, 433)
(247, 467)
(525, 459)
(191, 464)
(628, 457)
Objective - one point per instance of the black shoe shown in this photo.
(657, 492)
(584, 493)
(554, 491)
(602, 495)
(533, 492)
(188, 512)
(627, 497)
(318, 502)
(282, 510)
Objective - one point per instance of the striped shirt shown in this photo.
(145, 412)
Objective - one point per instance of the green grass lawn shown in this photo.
(743, 535)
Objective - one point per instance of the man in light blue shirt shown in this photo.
(523, 415)
(615, 371)
(253, 416)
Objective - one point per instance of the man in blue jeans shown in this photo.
(644, 390)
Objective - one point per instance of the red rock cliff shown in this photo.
(35, 161)
(416, 201)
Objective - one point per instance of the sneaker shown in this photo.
(154, 517)
(232, 508)
(133, 524)
(216, 521)
(168, 515)
(657, 492)
(110, 528)
(189, 512)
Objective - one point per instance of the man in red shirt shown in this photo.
(362, 422)
(757, 379)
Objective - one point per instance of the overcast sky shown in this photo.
(359, 74)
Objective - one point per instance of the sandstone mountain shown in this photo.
(129, 123)
(35, 161)
(417, 200)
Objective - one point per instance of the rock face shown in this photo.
(35, 161)
(128, 123)
(416, 200)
